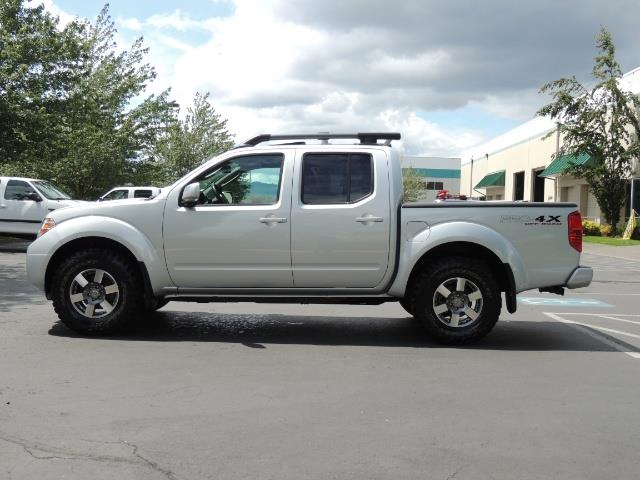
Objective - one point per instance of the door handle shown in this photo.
(369, 218)
(273, 220)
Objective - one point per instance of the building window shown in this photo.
(537, 187)
(435, 186)
(518, 186)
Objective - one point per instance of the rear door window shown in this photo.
(336, 178)
(142, 193)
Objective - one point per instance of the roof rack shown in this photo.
(365, 138)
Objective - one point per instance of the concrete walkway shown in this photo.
(629, 252)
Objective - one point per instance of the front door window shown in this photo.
(250, 180)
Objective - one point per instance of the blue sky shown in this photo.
(146, 8)
(447, 74)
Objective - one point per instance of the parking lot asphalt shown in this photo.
(245, 391)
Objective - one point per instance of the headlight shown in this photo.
(47, 225)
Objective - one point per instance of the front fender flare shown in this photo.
(133, 239)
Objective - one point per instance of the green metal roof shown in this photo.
(437, 172)
(563, 162)
(495, 179)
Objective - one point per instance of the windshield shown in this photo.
(50, 191)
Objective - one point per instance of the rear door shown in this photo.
(340, 219)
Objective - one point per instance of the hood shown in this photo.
(56, 204)
(122, 209)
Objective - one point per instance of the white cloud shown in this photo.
(51, 7)
(303, 65)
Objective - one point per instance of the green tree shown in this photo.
(413, 185)
(110, 127)
(189, 142)
(72, 106)
(38, 67)
(601, 121)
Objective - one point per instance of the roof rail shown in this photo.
(365, 138)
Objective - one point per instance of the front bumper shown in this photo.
(36, 269)
(581, 277)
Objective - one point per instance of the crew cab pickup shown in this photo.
(289, 219)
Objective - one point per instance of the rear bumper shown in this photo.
(581, 277)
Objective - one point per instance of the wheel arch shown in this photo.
(500, 270)
(82, 243)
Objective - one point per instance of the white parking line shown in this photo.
(600, 314)
(586, 328)
(620, 319)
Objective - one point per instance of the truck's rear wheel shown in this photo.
(456, 300)
(97, 291)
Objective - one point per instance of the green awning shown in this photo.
(563, 162)
(495, 179)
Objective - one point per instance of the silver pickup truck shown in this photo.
(303, 218)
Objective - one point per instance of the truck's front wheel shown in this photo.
(97, 291)
(457, 300)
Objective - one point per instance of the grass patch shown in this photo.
(618, 242)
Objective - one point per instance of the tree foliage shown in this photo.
(74, 107)
(38, 68)
(413, 185)
(602, 121)
(189, 142)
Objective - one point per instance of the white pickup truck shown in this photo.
(287, 219)
(25, 202)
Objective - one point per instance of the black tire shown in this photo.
(406, 304)
(157, 304)
(477, 279)
(127, 306)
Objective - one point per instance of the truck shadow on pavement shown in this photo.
(258, 331)
(15, 291)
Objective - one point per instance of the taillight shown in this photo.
(575, 230)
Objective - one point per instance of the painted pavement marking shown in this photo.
(587, 328)
(564, 302)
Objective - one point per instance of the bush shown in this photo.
(591, 228)
(605, 230)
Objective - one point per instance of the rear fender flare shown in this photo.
(415, 248)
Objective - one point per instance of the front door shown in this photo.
(340, 220)
(19, 211)
(238, 235)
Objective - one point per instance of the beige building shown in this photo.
(520, 165)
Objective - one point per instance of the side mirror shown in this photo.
(33, 196)
(191, 195)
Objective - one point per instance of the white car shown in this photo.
(25, 202)
(122, 193)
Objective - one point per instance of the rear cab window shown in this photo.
(336, 178)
